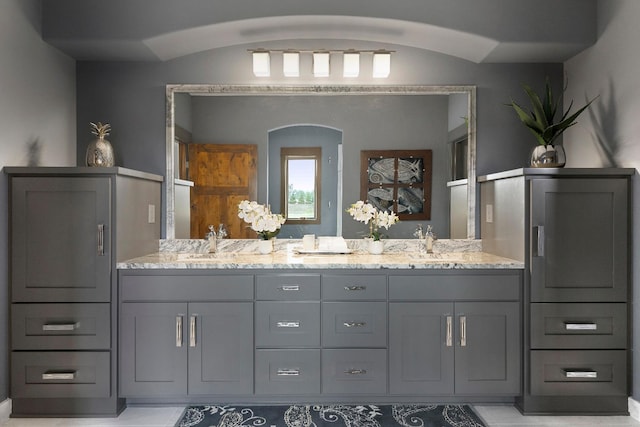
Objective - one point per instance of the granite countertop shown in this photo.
(399, 254)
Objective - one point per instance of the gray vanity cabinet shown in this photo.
(571, 227)
(186, 334)
(173, 349)
(69, 227)
(461, 348)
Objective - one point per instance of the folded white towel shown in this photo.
(332, 244)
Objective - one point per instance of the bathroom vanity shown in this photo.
(571, 227)
(294, 328)
(69, 228)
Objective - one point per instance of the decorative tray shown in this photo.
(322, 251)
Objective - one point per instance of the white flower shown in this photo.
(361, 211)
(262, 221)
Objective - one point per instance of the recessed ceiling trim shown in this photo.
(471, 47)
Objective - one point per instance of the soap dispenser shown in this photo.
(429, 238)
(213, 239)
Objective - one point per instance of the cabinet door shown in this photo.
(220, 348)
(153, 349)
(421, 352)
(487, 356)
(58, 251)
(579, 240)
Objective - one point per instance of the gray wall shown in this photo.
(131, 96)
(368, 123)
(608, 134)
(37, 84)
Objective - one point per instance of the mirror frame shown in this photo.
(316, 90)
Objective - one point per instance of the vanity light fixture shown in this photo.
(261, 63)
(321, 64)
(351, 64)
(291, 64)
(381, 64)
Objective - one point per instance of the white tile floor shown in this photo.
(494, 416)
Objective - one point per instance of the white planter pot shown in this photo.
(265, 246)
(376, 247)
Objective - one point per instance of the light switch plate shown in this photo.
(152, 214)
(489, 213)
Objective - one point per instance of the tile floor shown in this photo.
(495, 416)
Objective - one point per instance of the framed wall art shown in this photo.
(397, 181)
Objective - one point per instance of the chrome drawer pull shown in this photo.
(449, 340)
(355, 371)
(178, 331)
(288, 324)
(463, 331)
(355, 324)
(538, 249)
(192, 331)
(289, 287)
(581, 326)
(59, 376)
(288, 372)
(581, 374)
(60, 326)
(100, 239)
(355, 288)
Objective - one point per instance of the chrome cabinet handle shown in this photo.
(286, 324)
(581, 326)
(580, 374)
(355, 288)
(59, 376)
(60, 326)
(354, 324)
(192, 331)
(539, 241)
(355, 371)
(178, 331)
(463, 331)
(449, 339)
(289, 287)
(288, 372)
(100, 239)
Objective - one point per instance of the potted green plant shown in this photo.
(541, 121)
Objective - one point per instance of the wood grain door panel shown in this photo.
(223, 176)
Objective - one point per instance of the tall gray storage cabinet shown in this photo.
(69, 227)
(571, 227)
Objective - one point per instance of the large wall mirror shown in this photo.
(438, 118)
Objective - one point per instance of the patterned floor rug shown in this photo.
(330, 415)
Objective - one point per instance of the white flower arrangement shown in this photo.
(260, 218)
(367, 213)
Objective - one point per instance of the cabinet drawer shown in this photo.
(287, 324)
(579, 372)
(354, 371)
(447, 286)
(288, 287)
(60, 374)
(354, 287)
(60, 326)
(588, 326)
(183, 287)
(287, 372)
(354, 324)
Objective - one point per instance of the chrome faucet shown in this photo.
(213, 239)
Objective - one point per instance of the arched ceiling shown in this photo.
(474, 30)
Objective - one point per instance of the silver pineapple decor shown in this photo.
(100, 151)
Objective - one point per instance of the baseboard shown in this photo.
(634, 409)
(5, 410)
